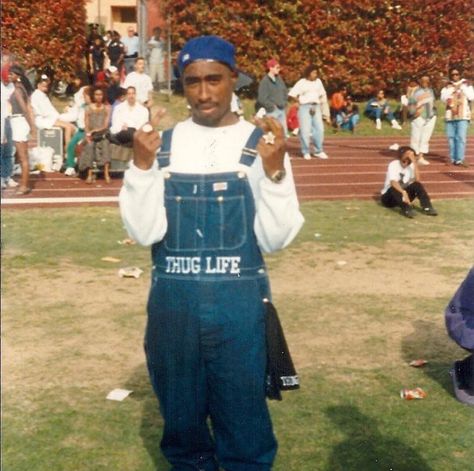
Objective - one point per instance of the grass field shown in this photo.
(72, 331)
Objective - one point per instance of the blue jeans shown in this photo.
(350, 124)
(6, 161)
(457, 131)
(280, 115)
(311, 126)
(379, 113)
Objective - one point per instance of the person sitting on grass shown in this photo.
(378, 109)
(348, 116)
(403, 185)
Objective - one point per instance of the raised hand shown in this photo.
(146, 142)
(272, 145)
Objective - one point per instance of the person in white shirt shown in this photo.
(131, 43)
(458, 95)
(46, 115)
(156, 55)
(127, 117)
(402, 185)
(216, 195)
(313, 108)
(141, 81)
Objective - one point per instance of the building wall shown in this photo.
(119, 14)
(112, 14)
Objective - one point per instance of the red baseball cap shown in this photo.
(272, 63)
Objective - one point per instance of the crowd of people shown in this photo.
(94, 119)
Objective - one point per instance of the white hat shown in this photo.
(112, 69)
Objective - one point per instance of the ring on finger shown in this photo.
(269, 138)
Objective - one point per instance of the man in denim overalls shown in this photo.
(215, 195)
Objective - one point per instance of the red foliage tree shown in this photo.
(42, 33)
(364, 43)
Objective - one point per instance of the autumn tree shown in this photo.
(42, 33)
(364, 43)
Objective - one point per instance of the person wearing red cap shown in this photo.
(273, 93)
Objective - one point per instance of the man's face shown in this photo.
(131, 96)
(407, 158)
(381, 95)
(208, 88)
(140, 66)
(43, 86)
(275, 70)
(425, 81)
(130, 32)
(115, 77)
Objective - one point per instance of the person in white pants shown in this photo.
(423, 111)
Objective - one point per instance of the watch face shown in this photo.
(278, 176)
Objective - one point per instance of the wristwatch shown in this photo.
(278, 176)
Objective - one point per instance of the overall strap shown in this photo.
(249, 152)
(163, 155)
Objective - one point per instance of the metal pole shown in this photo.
(170, 70)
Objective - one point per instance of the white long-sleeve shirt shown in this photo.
(45, 113)
(204, 150)
(128, 116)
(458, 95)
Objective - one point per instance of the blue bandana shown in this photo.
(207, 48)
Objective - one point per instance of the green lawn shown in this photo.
(73, 331)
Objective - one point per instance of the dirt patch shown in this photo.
(84, 327)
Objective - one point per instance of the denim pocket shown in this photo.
(205, 223)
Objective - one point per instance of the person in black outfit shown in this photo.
(114, 90)
(96, 57)
(116, 51)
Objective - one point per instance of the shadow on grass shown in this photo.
(365, 448)
(429, 341)
(151, 424)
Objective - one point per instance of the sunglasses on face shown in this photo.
(406, 161)
(454, 74)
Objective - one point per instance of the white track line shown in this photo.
(85, 199)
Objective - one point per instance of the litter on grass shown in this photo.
(418, 363)
(126, 242)
(118, 394)
(410, 394)
(130, 272)
(110, 259)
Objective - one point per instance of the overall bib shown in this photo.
(205, 336)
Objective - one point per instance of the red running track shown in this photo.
(355, 170)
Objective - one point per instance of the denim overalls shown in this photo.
(205, 336)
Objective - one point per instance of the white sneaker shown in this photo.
(70, 172)
(395, 125)
(307, 157)
(423, 161)
(10, 183)
(378, 124)
(321, 155)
